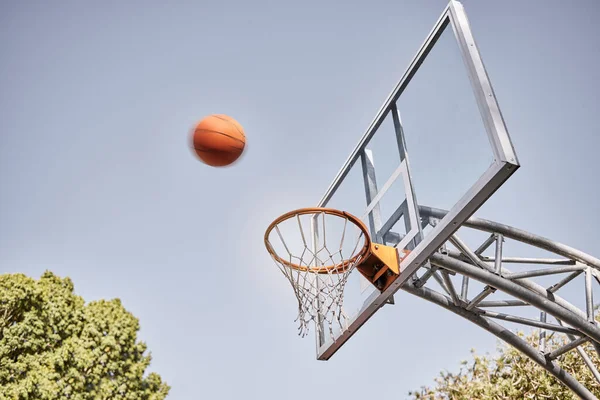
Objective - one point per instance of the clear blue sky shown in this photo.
(97, 181)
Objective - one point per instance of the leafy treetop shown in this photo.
(53, 345)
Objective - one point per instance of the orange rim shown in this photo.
(334, 268)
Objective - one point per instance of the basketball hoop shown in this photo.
(324, 246)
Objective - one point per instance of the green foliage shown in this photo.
(54, 346)
(511, 375)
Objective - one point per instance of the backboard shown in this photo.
(439, 140)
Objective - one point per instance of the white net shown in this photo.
(317, 251)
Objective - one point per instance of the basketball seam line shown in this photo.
(200, 147)
(207, 150)
(221, 133)
(234, 125)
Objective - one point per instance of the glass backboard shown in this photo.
(438, 141)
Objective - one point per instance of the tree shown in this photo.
(54, 346)
(512, 375)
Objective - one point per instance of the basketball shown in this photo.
(218, 140)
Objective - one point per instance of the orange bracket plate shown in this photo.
(382, 265)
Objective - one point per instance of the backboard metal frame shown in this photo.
(504, 165)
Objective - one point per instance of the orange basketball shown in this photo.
(218, 140)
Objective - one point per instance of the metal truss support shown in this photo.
(456, 268)
(504, 334)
